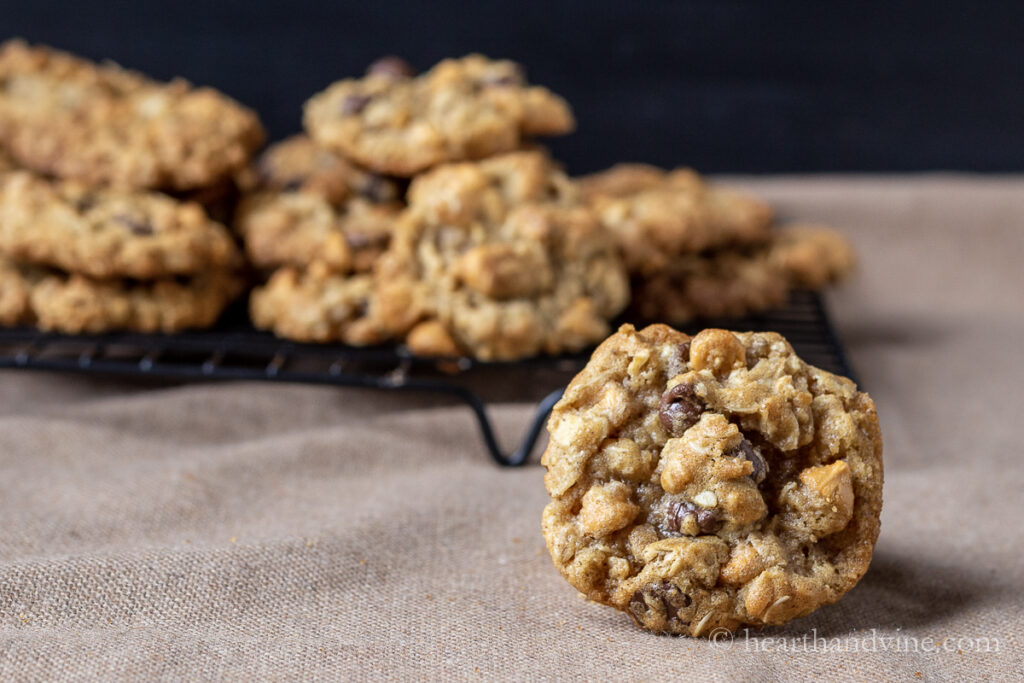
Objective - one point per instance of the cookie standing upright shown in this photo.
(710, 482)
(462, 109)
(68, 117)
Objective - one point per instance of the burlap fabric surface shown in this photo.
(253, 531)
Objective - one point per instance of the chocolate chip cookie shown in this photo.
(658, 216)
(316, 304)
(462, 109)
(497, 260)
(74, 304)
(711, 482)
(812, 256)
(306, 204)
(71, 118)
(107, 233)
(742, 280)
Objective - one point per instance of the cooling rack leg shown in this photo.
(521, 454)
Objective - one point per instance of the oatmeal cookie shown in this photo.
(462, 109)
(812, 256)
(297, 164)
(107, 233)
(316, 304)
(659, 215)
(71, 118)
(717, 284)
(76, 304)
(495, 259)
(306, 204)
(711, 482)
(738, 281)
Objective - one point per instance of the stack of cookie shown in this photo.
(493, 255)
(496, 253)
(97, 231)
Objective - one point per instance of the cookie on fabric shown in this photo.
(658, 216)
(108, 233)
(711, 482)
(498, 260)
(470, 108)
(68, 117)
(306, 204)
(76, 304)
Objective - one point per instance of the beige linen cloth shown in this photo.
(263, 531)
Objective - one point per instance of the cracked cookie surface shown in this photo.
(99, 123)
(107, 233)
(658, 216)
(496, 259)
(462, 109)
(305, 204)
(711, 482)
(76, 304)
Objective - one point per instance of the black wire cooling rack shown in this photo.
(233, 350)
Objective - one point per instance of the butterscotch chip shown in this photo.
(71, 118)
(750, 496)
(77, 304)
(462, 109)
(108, 233)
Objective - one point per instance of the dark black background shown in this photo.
(720, 85)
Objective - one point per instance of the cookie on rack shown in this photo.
(393, 122)
(306, 204)
(497, 260)
(659, 215)
(108, 233)
(68, 117)
(317, 304)
(76, 304)
(812, 256)
(739, 281)
(707, 483)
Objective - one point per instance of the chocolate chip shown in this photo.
(378, 189)
(672, 600)
(684, 351)
(708, 519)
(358, 240)
(84, 203)
(293, 185)
(392, 67)
(679, 409)
(137, 227)
(752, 453)
(513, 75)
(354, 103)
